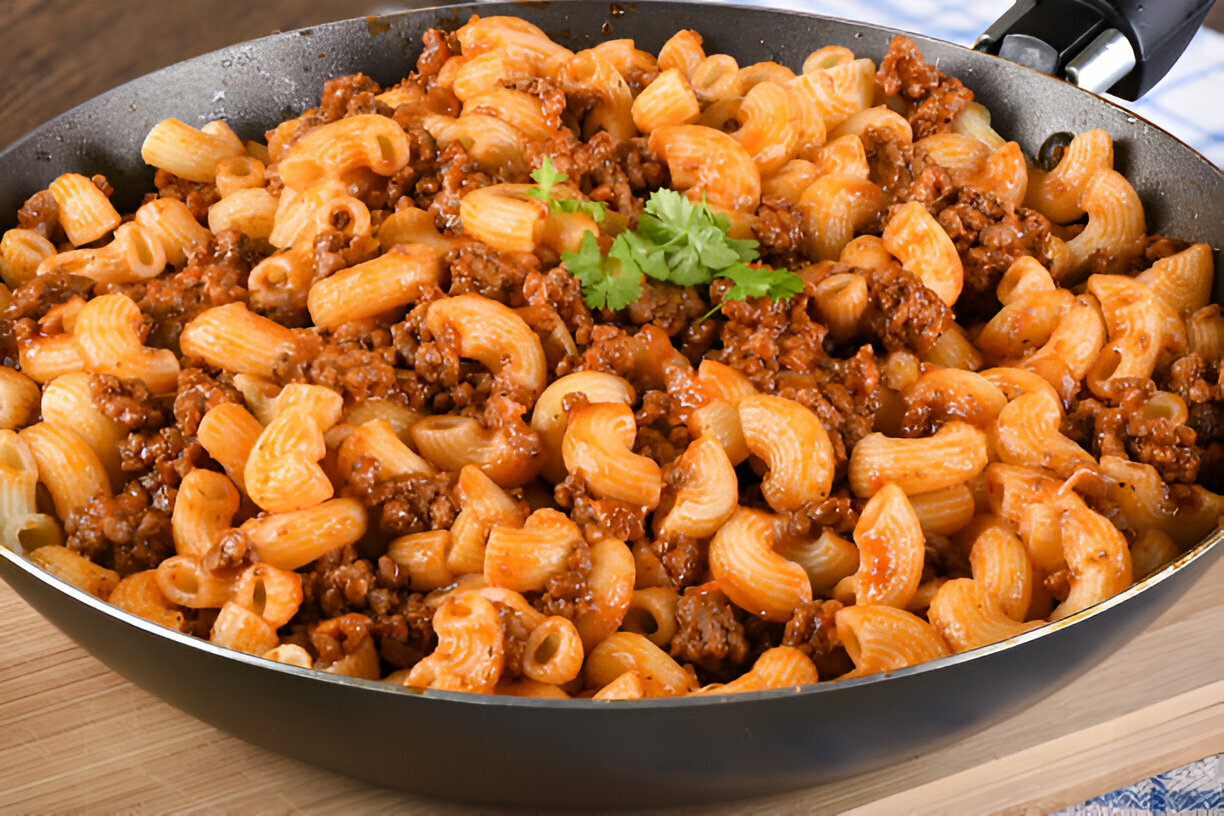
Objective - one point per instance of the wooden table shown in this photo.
(74, 737)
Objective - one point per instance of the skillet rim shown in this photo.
(1202, 549)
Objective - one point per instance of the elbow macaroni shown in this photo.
(410, 414)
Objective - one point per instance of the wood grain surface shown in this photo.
(76, 738)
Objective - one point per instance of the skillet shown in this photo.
(573, 753)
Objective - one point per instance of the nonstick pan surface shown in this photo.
(573, 753)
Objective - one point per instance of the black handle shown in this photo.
(1120, 46)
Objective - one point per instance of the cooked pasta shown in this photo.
(609, 375)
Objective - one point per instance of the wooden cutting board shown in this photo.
(75, 737)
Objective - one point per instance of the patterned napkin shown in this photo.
(1196, 788)
(1176, 103)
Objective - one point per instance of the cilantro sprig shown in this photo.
(606, 282)
(546, 176)
(678, 242)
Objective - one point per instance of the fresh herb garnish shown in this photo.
(675, 241)
(687, 242)
(607, 283)
(546, 177)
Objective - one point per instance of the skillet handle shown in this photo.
(1120, 46)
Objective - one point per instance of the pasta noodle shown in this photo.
(614, 375)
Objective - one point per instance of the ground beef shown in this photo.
(902, 314)
(40, 213)
(477, 267)
(198, 393)
(780, 347)
(1198, 383)
(404, 504)
(456, 175)
(837, 514)
(562, 292)
(405, 632)
(844, 395)
(933, 98)
(231, 550)
(334, 639)
(38, 295)
(1169, 448)
(198, 196)
(1137, 256)
(905, 172)
(329, 254)
(552, 99)
(356, 373)
(514, 640)
(661, 434)
(437, 47)
(24, 317)
(600, 518)
(813, 631)
(708, 633)
(341, 583)
(215, 274)
(159, 459)
(620, 174)
(508, 417)
(762, 337)
(1123, 430)
(779, 230)
(567, 593)
(989, 237)
(671, 308)
(611, 349)
(343, 96)
(127, 402)
(928, 412)
(125, 533)
(411, 184)
(684, 560)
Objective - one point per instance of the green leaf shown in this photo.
(611, 283)
(746, 248)
(546, 177)
(634, 255)
(675, 241)
(761, 281)
(672, 209)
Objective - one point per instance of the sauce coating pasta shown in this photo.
(608, 374)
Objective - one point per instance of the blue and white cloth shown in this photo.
(1183, 103)
(1197, 788)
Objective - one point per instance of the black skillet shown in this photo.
(655, 752)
